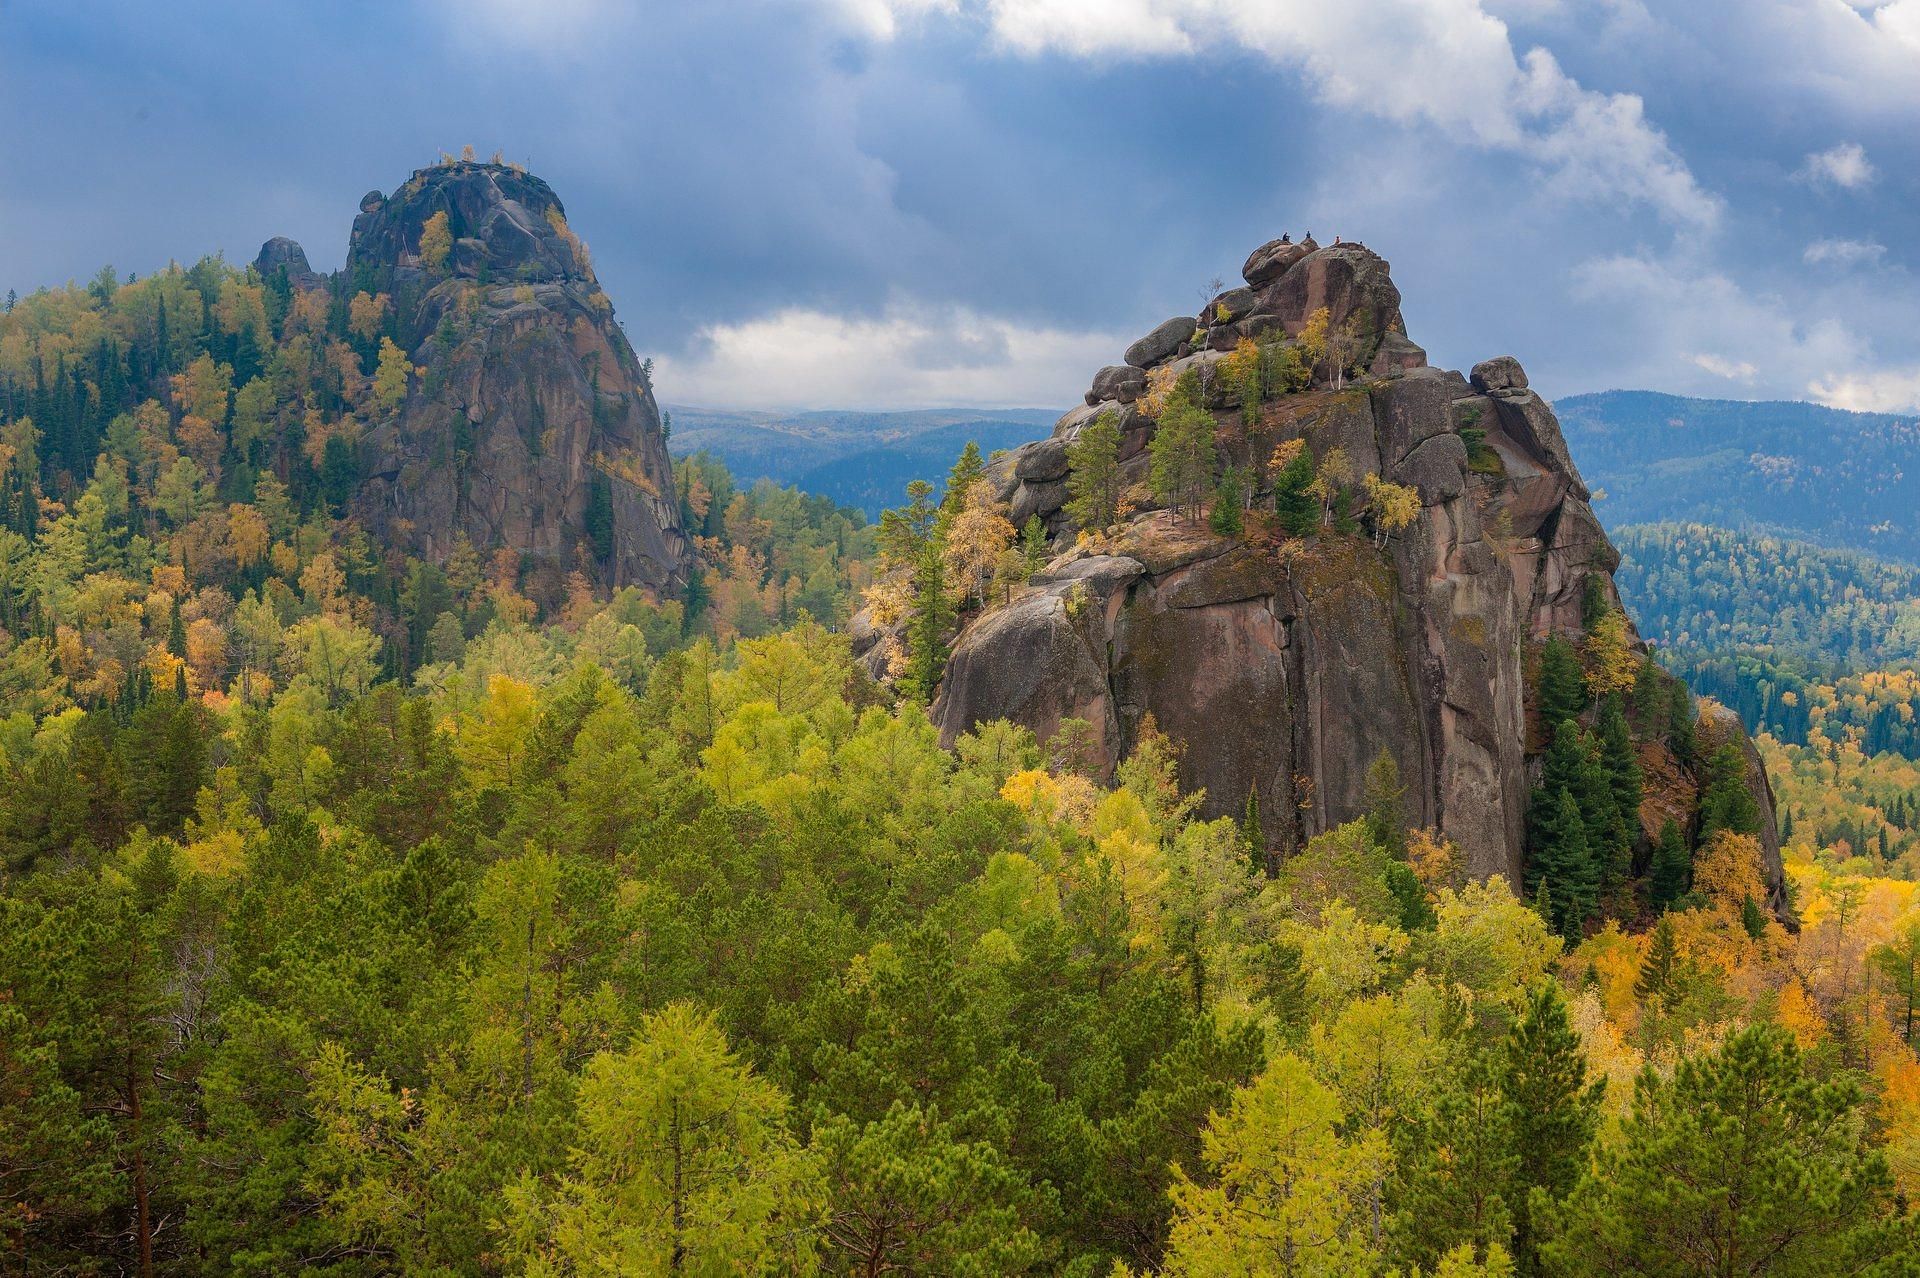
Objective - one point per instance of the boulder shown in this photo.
(1040, 461)
(1121, 382)
(281, 253)
(1234, 304)
(1396, 355)
(1041, 498)
(1350, 281)
(1270, 261)
(1161, 343)
(1503, 372)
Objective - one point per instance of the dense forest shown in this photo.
(1699, 587)
(724, 966)
(367, 915)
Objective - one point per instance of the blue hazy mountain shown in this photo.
(1834, 478)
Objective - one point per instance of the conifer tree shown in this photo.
(1293, 504)
(1548, 1111)
(1562, 695)
(1737, 1164)
(1670, 875)
(1093, 475)
(1384, 799)
(1661, 967)
(1726, 803)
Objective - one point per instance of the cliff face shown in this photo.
(1286, 665)
(531, 425)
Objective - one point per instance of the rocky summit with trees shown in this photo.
(1239, 835)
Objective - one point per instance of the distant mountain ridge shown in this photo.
(857, 458)
(1823, 475)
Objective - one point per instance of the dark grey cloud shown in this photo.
(767, 173)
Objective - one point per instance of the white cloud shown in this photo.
(1663, 307)
(915, 355)
(1732, 370)
(1843, 252)
(1449, 64)
(1845, 165)
(1887, 390)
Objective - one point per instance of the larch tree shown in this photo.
(436, 242)
(684, 1164)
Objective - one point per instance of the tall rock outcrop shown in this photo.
(529, 424)
(1284, 665)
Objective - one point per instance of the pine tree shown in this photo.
(1738, 1164)
(1228, 516)
(1453, 1165)
(1548, 1111)
(1093, 475)
(1183, 457)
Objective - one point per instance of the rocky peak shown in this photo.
(282, 254)
(529, 424)
(507, 226)
(1284, 665)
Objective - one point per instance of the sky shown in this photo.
(909, 203)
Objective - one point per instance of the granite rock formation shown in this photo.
(529, 424)
(1286, 665)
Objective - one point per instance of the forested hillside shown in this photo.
(1839, 479)
(1814, 646)
(1695, 586)
(720, 966)
(366, 911)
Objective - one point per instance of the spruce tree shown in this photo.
(1384, 799)
(1255, 836)
(1726, 803)
(1294, 506)
(1562, 693)
(1560, 871)
(1661, 967)
(1671, 873)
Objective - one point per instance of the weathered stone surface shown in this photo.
(1040, 499)
(1351, 281)
(539, 407)
(1288, 670)
(281, 253)
(1161, 342)
(1397, 354)
(1043, 460)
(1503, 372)
(1122, 382)
(1270, 261)
(1719, 725)
(1234, 304)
